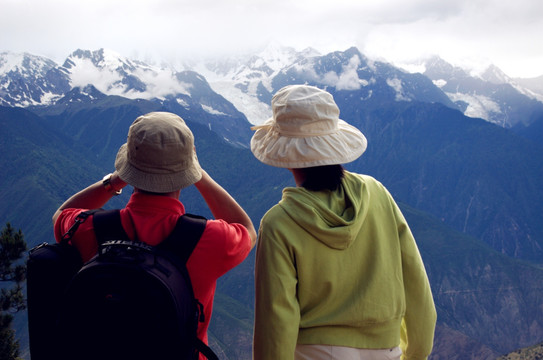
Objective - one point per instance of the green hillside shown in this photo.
(488, 302)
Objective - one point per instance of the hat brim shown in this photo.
(341, 147)
(160, 182)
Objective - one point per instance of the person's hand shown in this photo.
(93, 196)
(116, 182)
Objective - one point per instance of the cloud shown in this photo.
(505, 32)
(482, 32)
(348, 80)
(160, 82)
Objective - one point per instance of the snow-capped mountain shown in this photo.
(495, 75)
(532, 85)
(87, 76)
(492, 95)
(431, 157)
(248, 82)
(27, 80)
(533, 88)
(113, 74)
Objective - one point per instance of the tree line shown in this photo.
(12, 277)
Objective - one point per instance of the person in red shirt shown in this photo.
(158, 160)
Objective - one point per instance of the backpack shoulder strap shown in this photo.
(205, 350)
(181, 241)
(107, 226)
(184, 237)
(80, 219)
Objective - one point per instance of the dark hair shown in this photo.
(327, 177)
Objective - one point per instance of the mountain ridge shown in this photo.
(461, 182)
(475, 287)
(368, 93)
(492, 96)
(247, 81)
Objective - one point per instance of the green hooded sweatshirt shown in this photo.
(340, 268)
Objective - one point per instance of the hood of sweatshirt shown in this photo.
(332, 217)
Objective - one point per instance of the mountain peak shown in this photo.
(275, 47)
(25, 80)
(249, 81)
(103, 59)
(24, 63)
(113, 74)
(277, 56)
(437, 68)
(495, 75)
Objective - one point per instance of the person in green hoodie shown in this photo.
(338, 274)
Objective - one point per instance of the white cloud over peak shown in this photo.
(160, 82)
(506, 33)
(349, 80)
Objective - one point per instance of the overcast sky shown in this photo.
(463, 32)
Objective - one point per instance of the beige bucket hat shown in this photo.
(305, 131)
(159, 154)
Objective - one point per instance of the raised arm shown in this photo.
(223, 205)
(92, 197)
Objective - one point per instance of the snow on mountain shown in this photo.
(89, 76)
(24, 80)
(255, 110)
(344, 77)
(113, 74)
(243, 80)
(478, 106)
(211, 110)
(28, 80)
(533, 86)
(495, 75)
(492, 95)
(248, 82)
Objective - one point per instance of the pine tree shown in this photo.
(12, 247)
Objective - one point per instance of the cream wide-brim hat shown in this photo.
(159, 154)
(306, 131)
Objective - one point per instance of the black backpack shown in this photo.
(131, 301)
